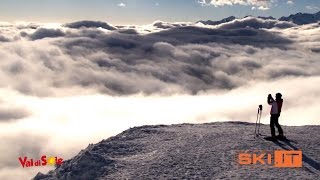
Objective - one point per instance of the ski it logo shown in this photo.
(288, 158)
(278, 158)
(43, 161)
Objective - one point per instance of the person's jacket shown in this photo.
(275, 106)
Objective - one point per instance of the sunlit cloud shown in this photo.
(263, 8)
(290, 2)
(261, 4)
(122, 4)
(312, 7)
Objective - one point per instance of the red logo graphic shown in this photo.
(43, 161)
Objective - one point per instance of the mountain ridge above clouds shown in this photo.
(298, 19)
(209, 22)
(302, 18)
(198, 151)
(90, 24)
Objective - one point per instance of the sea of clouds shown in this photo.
(63, 86)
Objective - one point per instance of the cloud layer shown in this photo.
(170, 58)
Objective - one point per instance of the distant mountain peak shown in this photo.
(266, 18)
(260, 17)
(298, 18)
(209, 22)
(302, 18)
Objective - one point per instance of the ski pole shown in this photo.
(260, 113)
(255, 129)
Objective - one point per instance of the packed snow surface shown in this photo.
(190, 151)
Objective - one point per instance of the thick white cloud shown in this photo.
(176, 58)
(63, 87)
(180, 59)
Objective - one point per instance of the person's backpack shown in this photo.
(279, 103)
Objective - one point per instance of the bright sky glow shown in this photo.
(143, 11)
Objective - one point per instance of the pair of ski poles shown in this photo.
(257, 133)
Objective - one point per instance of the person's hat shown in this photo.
(279, 95)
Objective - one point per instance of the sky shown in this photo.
(146, 11)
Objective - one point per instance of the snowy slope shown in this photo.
(201, 151)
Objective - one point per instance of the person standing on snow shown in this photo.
(276, 106)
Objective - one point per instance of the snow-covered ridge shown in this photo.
(199, 151)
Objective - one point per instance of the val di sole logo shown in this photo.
(43, 161)
(277, 158)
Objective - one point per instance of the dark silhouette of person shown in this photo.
(275, 112)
